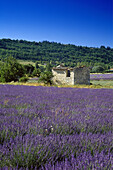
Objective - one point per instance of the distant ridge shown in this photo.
(55, 52)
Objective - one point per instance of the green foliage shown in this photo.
(11, 70)
(46, 77)
(98, 69)
(102, 65)
(48, 67)
(36, 65)
(42, 68)
(45, 51)
(36, 72)
(29, 68)
(23, 79)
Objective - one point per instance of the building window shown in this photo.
(67, 73)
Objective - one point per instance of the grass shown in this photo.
(96, 84)
(25, 62)
(103, 83)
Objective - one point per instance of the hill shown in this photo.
(55, 52)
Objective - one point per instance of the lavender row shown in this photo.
(55, 128)
(101, 76)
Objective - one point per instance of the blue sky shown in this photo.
(80, 22)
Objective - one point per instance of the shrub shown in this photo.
(29, 69)
(11, 70)
(23, 79)
(46, 77)
(36, 72)
(98, 69)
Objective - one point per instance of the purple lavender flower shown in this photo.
(101, 76)
(55, 128)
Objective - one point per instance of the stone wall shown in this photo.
(60, 77)
(82, 75)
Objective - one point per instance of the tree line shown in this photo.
(56, 53)
(11, 70)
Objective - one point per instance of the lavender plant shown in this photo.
(55, 128)
(101, 76)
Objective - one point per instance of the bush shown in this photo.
(29, 69)
(98, 69)
(46, 77)
(23, 79)
(36, 72)
(36, 65)
(48, 67)
(11, 70)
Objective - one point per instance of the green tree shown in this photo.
(11, 70)
(98, 69)
(29, 68)
(36, 72)
(50, 51)
(36, 65)
(48, 67)
(46, 77)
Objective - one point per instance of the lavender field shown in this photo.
(101, 76)
(51, 128)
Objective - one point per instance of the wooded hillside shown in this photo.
(55, 52)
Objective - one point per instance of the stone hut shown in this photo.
(71, 76)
